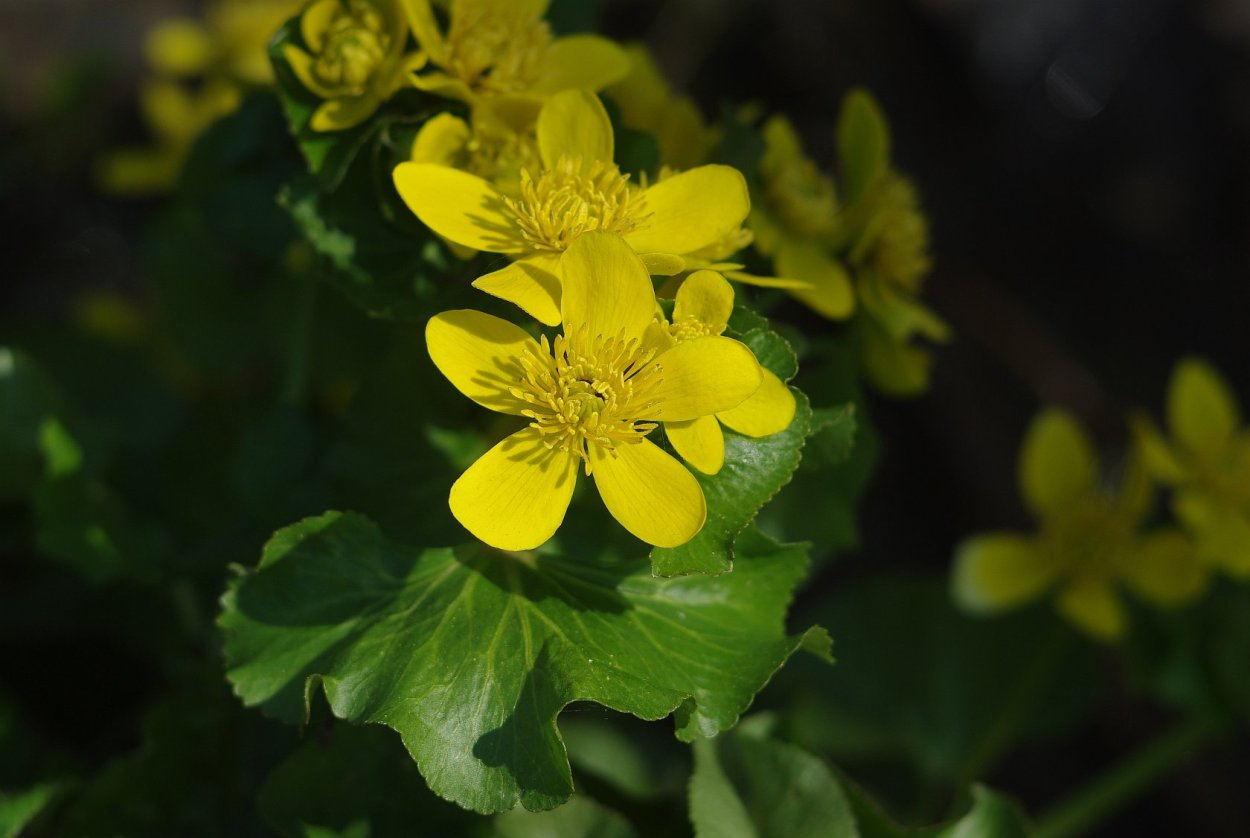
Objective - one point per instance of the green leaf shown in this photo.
(752, 787)
(833, 435)
(991, 815)
(18, 809)
(581, 817)
(28, 398)
(754, 471)
(470, 653)
(863, 144)
(772, 351)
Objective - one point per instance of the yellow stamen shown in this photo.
(691, 327)
(495, 52)
(568, 200)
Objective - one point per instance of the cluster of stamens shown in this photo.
(495, 50)
(588, 390)
(355, 44)
(569, 199)
(690, 327)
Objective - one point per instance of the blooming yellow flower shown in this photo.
(488, 146)
(703, 305)
(592, 396)
(1088, 545)
(577, 189)
(503, 48)
(355, 59)
(1207, 461)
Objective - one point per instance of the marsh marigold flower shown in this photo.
(576, 189)
(488, 145)
(702, 307)
(1206, 461)
(1088, 544)
(591, 397)
(354, 60)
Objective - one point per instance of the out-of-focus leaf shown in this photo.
(28, 398)
(610, 753)
(471, 653)
(581, 817)
(19, 808)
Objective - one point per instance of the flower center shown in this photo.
(900, 255)
(689, 328)
(356, 42)
(569, 200)
(495, 50)
(1089, 540)
(803, 197)
(500, 156)
(590, 390)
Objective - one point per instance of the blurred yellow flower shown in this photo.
(1207, 462)
(1088, 544)
(355, 59)
(576, 189)
(592, 396)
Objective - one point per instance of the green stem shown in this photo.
(1122, 783)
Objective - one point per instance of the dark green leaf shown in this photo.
(581, 817)
(27, 399)
(470, 653)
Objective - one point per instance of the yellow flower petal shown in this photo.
(699, 442)
(1156, 453)
(1091, 604)
(481, 356)
(515, 496)
(663, 264)
(425, 29)
(441, 84)
(1164, 569)
(441, 140)
(301, 63)
(999, 571)
(588, 62)
(343, 112)
(692, 210)
(708, 298)
(531, 283)
(179, 47)
(766, 281)
(1202, 411)
(650, 493)
(1058, 466)
(899, 315)
(768, 410)
(574, 124)
(606, 288)
(458, 206)
(1222, 532)
(315, 22)
(830, 293)
(705, 376)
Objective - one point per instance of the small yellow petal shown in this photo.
(1156, 453)
(532, 283)
(441, 140)
(650, 493)
(765, 281)
(301, 63)
(425, 29)
(768, 410)
(1222, 532)
(480, 355)
(999, 571)
(574, 124)
(663, 264)
(1058, 466)
(705, 376)
(588, 62)
(1091, 605)
(458, 206)
(441, 84)
(1202, 411)
(700, 442)
(692, 210)
(515, 496)
(829, 293)
(1164, 569)
(606, 288)
(315, 22)
(179, 47)
(706, 297)
(343, 112)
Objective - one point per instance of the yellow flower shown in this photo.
(793, 218)
(488, 147)
(648, 103)
(1088, 544)
(577, 189)
(230, 42)
(592, 396)
(355, 60)
(503, 48)
(703, 305)
(1207, 461)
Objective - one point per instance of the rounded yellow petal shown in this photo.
(532, 283)
(343, 112)
(705, 376)
(1091, 604)
(480, 355)
(441, 84)
(441, 140)
(179, 47)
(515, 496)
(315, 22)
(605, 287)
(692, 210)
(663, 264)
(699, 442)
(829, 292)
(458, 206)
(1058, 466)
(649, 492)
(1202, 411)
(999, 571)
(588, 62)
(1164, 569)
(768, 410)
(301, 63)
(706, 297)
(574, 124)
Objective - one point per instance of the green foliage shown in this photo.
(386, 630)
(18, 809)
